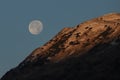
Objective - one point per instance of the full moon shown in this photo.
(35, 27)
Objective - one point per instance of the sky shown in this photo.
(16, 42)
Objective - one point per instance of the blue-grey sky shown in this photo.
(15, 40)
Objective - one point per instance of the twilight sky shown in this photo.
(15, 40)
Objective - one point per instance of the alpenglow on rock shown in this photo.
(88, 51)
(78, 40)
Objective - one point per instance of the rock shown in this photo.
(79, 39)
(87, 51)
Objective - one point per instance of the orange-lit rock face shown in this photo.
(77, 40)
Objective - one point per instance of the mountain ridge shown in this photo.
(98, 37)
(68, 39)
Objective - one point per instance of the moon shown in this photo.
(35, 27)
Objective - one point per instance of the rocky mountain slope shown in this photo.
(87, 51)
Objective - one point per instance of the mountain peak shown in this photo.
(82, 52)
(78, 40)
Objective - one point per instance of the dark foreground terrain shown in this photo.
(101, 63)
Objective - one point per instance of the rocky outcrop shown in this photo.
(78, 40)
(83, 50)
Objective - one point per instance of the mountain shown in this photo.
(90, 50)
